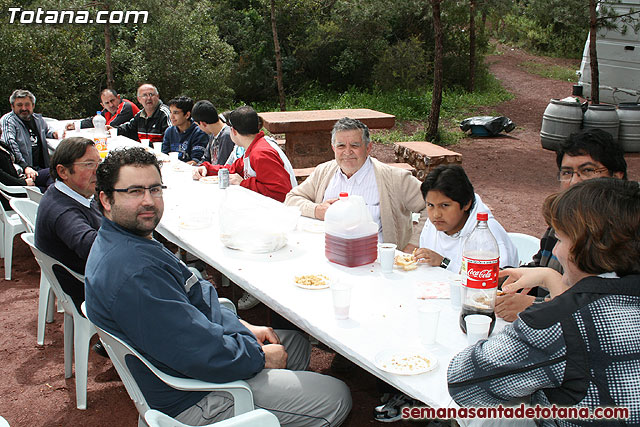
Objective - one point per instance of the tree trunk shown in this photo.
(595, 76)
(472, 45)
(436, 100)
(276, 45)
(107, 56)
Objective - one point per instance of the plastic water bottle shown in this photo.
(480, 266)
(100, 134)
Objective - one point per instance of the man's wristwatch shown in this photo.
(445, 263)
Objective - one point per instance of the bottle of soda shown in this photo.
(100, 134)
(480, 266)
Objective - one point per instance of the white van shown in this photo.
(618, 60)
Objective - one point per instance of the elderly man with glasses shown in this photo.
(584, 155)
(152, 121)
(68, 217)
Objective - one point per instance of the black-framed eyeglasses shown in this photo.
(138, 191)
(87, 165)
(584, 173)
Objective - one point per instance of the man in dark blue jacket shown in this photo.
(139, 291)
(184, 137)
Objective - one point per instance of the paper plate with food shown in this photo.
(405, 362)
(209, 179)
(312, 281)
(405, 262)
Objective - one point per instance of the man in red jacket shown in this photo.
(115, 110)
(264, 168)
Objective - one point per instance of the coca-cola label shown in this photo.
(481, 273)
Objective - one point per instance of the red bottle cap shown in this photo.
(344, 194)
(483, 216)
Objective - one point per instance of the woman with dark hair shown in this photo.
(582, 348)
(452, 207)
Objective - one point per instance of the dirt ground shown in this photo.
(513, 174)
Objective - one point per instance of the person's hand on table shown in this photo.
(55, 135)
(509, 305)
(321, 209)
(30, 182)
(191, 162)
(30, 173)
(70, 126)
(199, 172)
(428, 256)
(235, 179)
(275, 356)
(108, 127)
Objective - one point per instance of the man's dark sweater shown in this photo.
(65, 230)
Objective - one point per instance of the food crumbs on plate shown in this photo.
(312, 280)
(403, 363)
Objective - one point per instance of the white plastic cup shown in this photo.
(173, 156)
(145, 142)
(477, 327)
(455, 290)
(341, 293)
(157, 147)
(428, 317)
(386, 255)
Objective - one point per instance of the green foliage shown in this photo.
(457, 104)
(181, 59)
(556, 72)
(551, 27)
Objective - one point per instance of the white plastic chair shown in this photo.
(527, 246)
(27, 211)
(119, 350)
(257, 417)
(33, 193)
(78, 330)
(11, 225)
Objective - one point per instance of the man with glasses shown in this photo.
(68, 217)
(582, 156)
(139, 291)
(152, 121)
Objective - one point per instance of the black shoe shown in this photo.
(391, 410)
(100, 350)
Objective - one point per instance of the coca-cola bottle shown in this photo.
(480, 266)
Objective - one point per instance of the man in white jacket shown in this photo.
(391, 194)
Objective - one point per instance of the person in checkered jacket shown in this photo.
(581, 348)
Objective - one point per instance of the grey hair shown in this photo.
(147, 84)
(21, 93)
(345, 124)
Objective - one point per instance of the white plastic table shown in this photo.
(383, 311)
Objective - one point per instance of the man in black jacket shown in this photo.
(152, 121)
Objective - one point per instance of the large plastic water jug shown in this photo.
(351, 236)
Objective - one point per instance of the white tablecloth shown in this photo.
(383, 306)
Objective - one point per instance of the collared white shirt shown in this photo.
(64, 188)
(362, 183)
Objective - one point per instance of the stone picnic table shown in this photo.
(308, 133)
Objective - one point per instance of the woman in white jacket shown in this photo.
(452, 206)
